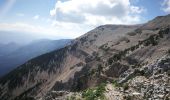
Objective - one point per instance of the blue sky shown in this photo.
(72, 18)
(29, 8)
(154, 8)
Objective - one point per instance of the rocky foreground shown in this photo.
(151, 82)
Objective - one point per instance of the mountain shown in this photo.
(18, 55)
(8, 48)
(17, 37)
(124, 62)
(158, 22)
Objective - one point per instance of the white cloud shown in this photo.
(166, 6)
(96, 12)
(44, 31)
(36, 17)
(79, 16)
(23, 27)
(73, 18)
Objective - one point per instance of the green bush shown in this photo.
(115, 84)
(71, 98)
(94, 93)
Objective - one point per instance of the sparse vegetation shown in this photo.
(138, 31)
(95, 35)
(115, 83)
(152, 40)
(128, 41)
(104, 47)
(163, 31)
(128, 98)
(124, 39)
(169, 51)
(121, 54)
(125, 86)
(131, 33)
(98, 58)
(71, 98)
(99, 68)
(25, 98)
(94, 93)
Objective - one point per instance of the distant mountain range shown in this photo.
(13, 54)
(20, 38)
(110, 62)
(8, 48)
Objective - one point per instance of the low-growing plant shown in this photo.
(128, 98)
(169, 51)
(138, 31)
(125, 86)
(71, 98)
(115, 83)
(131, 33)
(94, 93)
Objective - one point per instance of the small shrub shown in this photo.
(71, 98)
(110, 61)
(169, 51)
(152, 40)
(146, 43)
(128, 98)
(99, 68)
(131, 33)
(132, 48)
(125, 86)
(161, 33)
(115, 84)
(138, 31)
(154, 43)
(94, 93)
(98, 59)
(127, 41)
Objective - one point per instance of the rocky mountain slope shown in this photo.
(110, 62)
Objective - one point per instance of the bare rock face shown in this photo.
(153, 86)
(132, 61)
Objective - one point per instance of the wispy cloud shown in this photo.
(24, 27)
(36, 17)
(166, 6)
(48, 32)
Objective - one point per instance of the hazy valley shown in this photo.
(14, 54)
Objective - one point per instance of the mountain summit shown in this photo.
(111, 61)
